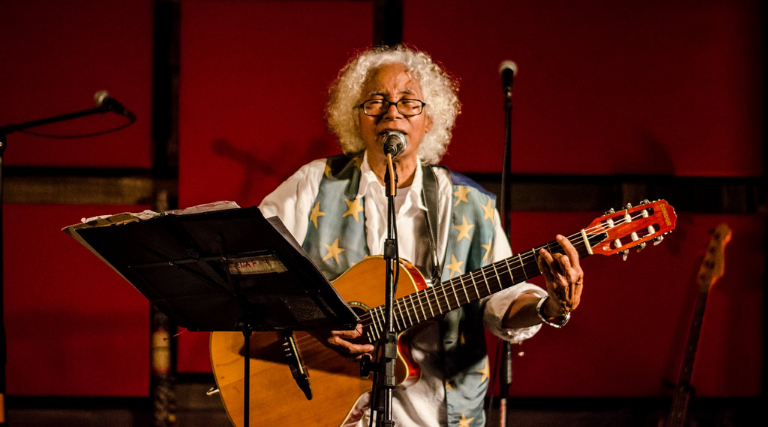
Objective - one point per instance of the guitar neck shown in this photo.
(693, 337)
(678, 412)
(434, 301)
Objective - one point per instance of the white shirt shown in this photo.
(422, 404)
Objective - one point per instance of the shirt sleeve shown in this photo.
(292, 200)
(498, 304)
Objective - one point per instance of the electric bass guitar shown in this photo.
(712, 268)
(323, 390)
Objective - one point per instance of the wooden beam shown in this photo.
(79, 190)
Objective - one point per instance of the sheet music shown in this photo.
(148, 214)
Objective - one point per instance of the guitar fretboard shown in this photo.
(434, 301)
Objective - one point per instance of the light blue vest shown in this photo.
(335, 240)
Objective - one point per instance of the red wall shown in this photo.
(628, 335)
(55, 55)
(74, 326)
(672, 88)
(619, 87)
(253, 86)
(251, 107)
(604, 88)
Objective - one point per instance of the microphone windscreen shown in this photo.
(394, 142)
(99, 97)
(508, 65)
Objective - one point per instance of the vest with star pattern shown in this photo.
(336, 240)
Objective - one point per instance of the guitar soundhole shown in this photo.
(359, 308)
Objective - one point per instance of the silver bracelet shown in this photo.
(544, 320)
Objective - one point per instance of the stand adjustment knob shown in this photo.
(367, 366)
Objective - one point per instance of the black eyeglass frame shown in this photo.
(389, 104)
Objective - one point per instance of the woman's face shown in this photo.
(393, 83)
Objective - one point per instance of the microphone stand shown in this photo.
(389, 339)
(5, 130)
(506, 186)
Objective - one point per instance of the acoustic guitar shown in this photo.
(712, 268)
(279, 395)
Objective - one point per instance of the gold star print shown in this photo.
(454, 266)
(327, 170)
(461, 195)
(486, 371)
(464, 229)
(353, 208)
(316, 214)
(488, 209)
(358, 161)
(448, 385)
(464, 421)
(333, 251)
(487, 248)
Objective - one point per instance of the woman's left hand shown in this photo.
(565, 279)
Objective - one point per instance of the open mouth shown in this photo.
(386, 131)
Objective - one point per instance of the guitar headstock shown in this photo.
(713, 265)
(630, 227)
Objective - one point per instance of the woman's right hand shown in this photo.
(343, 342)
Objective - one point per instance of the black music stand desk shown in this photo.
(223, 270)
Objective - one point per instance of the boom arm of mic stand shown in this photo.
(6, 129)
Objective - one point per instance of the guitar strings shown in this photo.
(453, 292)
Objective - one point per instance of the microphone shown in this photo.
(508, 71)
(107, 103)
(394, 142)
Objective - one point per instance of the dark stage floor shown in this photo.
(195, 409)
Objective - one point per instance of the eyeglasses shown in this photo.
(379, 107)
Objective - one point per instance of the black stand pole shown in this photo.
(5, 130)
(3, 353)
(389, 340)
(506, 181)
(247, 396)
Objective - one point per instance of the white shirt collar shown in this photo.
(368, 178)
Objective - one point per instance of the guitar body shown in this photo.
(275, 397)
(335, 381)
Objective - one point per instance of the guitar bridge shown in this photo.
(300, 375)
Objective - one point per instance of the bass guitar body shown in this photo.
(335, 382)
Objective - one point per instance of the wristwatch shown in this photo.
(562, 322)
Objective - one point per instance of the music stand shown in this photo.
(225, 270)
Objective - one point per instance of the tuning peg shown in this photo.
(629, 206)
(640, 247)
(657, 240)
(645, 202)
(610, 211)
(624, 254)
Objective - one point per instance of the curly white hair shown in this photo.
(437, 86)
